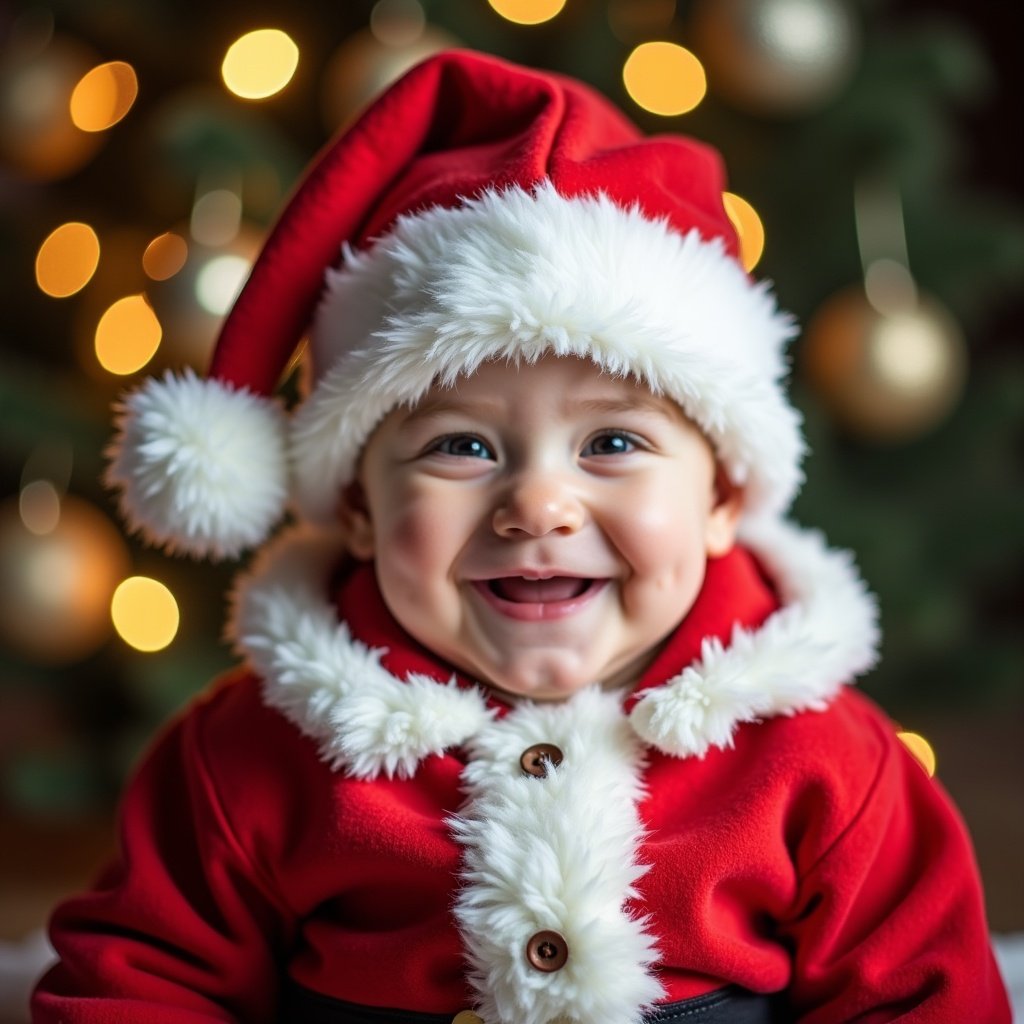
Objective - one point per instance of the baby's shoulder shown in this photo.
(850, 727)
(241, 742)
(846, 745)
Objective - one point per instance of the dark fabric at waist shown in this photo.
(723, 1006)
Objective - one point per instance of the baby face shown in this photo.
(542, 528)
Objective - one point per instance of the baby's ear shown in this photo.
(354, 514)
(724, 517)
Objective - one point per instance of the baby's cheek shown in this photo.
(649, 534)
(664, 550)
(413, 537)
(419, 539)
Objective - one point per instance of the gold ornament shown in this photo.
(776, 56)
(56, 586)
(885, 376)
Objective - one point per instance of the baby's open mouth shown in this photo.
(525, 591)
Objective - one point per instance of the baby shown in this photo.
(543, 715)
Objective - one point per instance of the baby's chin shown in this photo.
(544, 676)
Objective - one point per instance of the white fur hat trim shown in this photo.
(517, 274)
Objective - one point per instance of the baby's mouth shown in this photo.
(521, 590)
(531, 600)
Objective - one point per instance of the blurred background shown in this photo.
(876, 174)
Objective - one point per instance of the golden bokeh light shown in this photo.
(920, 748)
(144, 613)
(67, 259)
(103, 96)
(127, 335)
(527, 12)
(165, 256)
(748, 226)
(664, 78)
(39, 507)
(260, 63)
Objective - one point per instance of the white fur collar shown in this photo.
(368, 722)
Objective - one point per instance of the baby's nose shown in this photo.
(536, 505)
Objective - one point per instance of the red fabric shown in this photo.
(815, 857)
(455, 125)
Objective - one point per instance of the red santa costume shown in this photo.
(348, 830)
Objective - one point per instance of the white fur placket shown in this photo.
(555, 853)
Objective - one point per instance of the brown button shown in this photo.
(467, 1017)
(535, 760)
(547, 951)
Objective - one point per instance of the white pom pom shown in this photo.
(201, 467)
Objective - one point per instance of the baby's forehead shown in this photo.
(572, 380)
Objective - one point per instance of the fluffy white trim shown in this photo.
(330, 686)
(556, 853)
(516, 274)
(826, 633)
(334, 689)
(200, 466)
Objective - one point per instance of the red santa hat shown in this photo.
(477, 210)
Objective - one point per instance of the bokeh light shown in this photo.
(260, 63)
(664, 78)
(144, 613)
(67, 259)
(127, 335)
(527, 12)
(216, 217)
(920, 748)
(103, 96)
(748, 226)
(165, 256)
(909, 353)
(219, 282)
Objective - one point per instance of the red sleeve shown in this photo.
(181, 928)
(890, 923)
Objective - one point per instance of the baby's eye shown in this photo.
(611, 442)
(463, 446)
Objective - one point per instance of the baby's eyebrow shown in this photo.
(639, 403)
(598, 405)
(438, 406)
